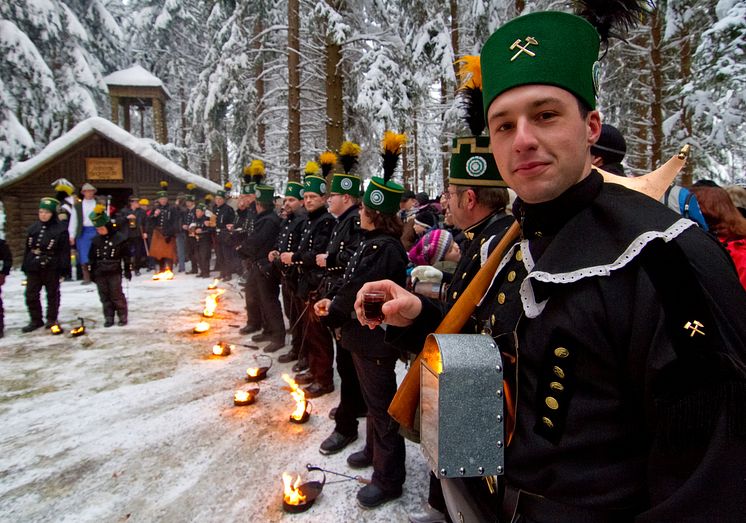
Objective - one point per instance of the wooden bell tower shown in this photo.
(137, 88)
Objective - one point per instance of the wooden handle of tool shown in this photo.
(404, 405)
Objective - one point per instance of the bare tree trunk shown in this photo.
(686, 118)
(445, 148)
(183, 133)
(293, 90)
(520, 5)
(455, 35)
(656, 108)
(261, 128)
(415, 151)
(334, 93)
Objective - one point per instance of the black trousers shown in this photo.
(203, 249)
(50, 281)
(2, 311)
(383, 443)
(293, 310)
(111, 295)
(136, 248)
(351, 401)
(253, 303)
(268, 293)
(225, 255)
(318, 347)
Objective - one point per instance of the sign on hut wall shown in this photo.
(107, 169)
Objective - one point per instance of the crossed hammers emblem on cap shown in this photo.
(530, 40)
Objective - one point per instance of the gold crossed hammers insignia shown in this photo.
(694, 326)
(530, 40)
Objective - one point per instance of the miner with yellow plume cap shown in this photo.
(110, 260)
(226, 260)
(70, 212)
(379, 255)
(344, 195)
(163, 222)
(317, 230)
(131, 220)
(45, 259)
(613, 286)
(253, 174)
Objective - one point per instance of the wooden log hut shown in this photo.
(96, 151)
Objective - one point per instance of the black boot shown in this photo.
(288, 357)
(33, 326)
(109, 321)
(122, 319)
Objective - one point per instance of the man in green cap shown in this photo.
(317, 232)
(630, 337)
(110, 259)
(262, 279)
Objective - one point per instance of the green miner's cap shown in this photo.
(161, 194)
(315, 184)
(472, 163)
(346, 184)
(49, 204)
(98, 216)
(383, 196)
(295, 190)
(201, 206)
(221, 193)
(549, 48)
(248, 188)
(265, 194)
(190, 198)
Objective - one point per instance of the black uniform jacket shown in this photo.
(47, 247)
(124, 224)
(6, 257)
(243, 225)
(224, 214)
(110, 254)
(379, 256)
(317, 230)
(342, 246)
(259, 243)
(166, 221)
(291, 230)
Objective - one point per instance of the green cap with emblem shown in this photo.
(49, 204)
(383, 194)
(314, 184)
(548, 48)
(294, 190)
(99, 216)
(163, 193)
(472, 163)
(225, 192)
(347, 183)
(265, 194)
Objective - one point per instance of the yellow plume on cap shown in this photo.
(99, 209)
(349, 149)
(256, 168)
(247, 169)
(164, 184)
(312, 168)
(64, 188)
(144, 201)
(209, 197)
(392, 142)
(470, 72)
(190, 187)
(228, 185)
(327, 158)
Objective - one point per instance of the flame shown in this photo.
(202, 326)
(221, 349)
(211, 303)
(292, 495)
(77, 331)
(213, 285)
(163, 276)
(253, 372)
(56, 329)
(241, 395)
(299, 396)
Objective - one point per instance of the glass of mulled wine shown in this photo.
(372, 306)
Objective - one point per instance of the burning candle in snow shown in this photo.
(300, 414)
(211, 303)
(222, 349)
(244, 397)
(201, 327)
(163, 276)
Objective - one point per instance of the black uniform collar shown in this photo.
(545, 219)
(345, 214)
(318, 212)
(264, 213)
(474, 230)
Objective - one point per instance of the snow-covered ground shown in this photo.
(137, 423)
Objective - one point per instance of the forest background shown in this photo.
(283, 80)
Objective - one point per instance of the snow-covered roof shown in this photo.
(135, 76)
(83, 130)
